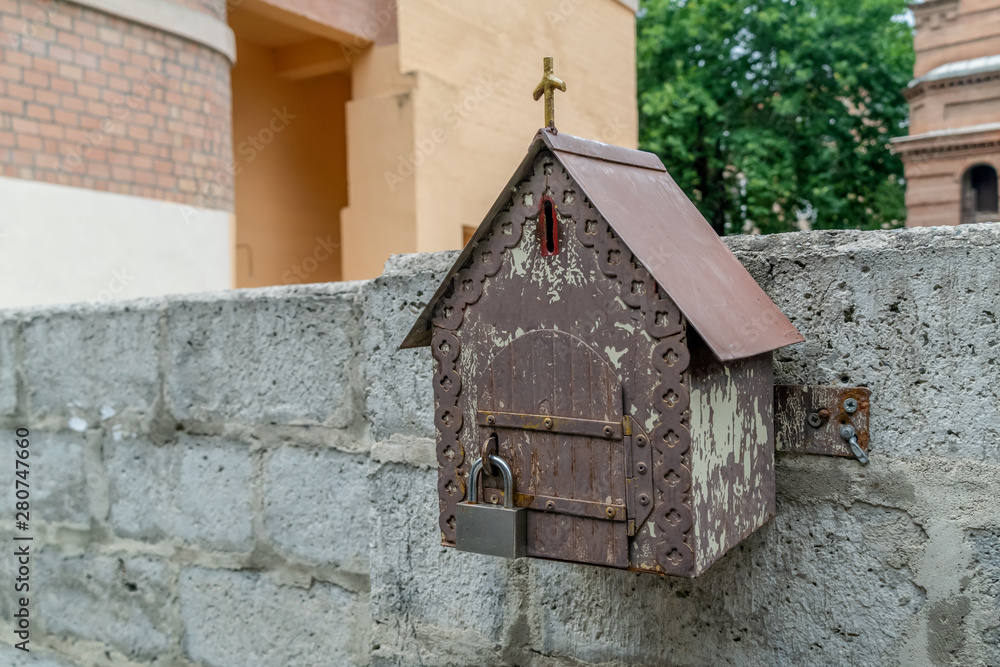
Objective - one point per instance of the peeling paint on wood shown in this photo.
(586, 336)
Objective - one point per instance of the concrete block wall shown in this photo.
(248, 478)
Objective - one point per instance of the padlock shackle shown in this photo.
(508, 481)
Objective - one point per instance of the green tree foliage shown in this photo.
(765, 111)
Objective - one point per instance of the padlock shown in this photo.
(487, 529)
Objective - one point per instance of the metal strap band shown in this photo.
(588, 428)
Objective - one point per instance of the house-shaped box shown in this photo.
(621, 356)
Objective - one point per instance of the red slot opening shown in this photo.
(548, 227)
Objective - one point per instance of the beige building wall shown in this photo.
(290, 171)
(381, 216)
(61, 244)
(439, 121)
(438, 114)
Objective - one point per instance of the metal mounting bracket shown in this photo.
(830, 421)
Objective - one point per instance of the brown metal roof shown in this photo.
(667, 234)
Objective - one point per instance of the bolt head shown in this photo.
(641, 441)
(491, 420)
(847, 432)
(548, 423)
(550, 505)
(643, 499)
(608, 430)
(610, 512)
(641, 467)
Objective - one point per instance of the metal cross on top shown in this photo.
(547, 87)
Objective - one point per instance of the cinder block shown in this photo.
(763, 604)
(87, 357)
(127, 603)
(281, 355)
(198, 489)
(446, 606)
(56, 475)
(316, 506)
(243, 619)
(8, 377)
(399, 397)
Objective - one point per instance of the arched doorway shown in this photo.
(979, 194)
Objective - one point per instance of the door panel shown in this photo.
(550, 373)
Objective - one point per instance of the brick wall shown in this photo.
(249, 479)
(949, 31)
(90, 100)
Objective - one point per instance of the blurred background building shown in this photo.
(953, 151)
(162, 146)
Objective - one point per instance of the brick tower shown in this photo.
(952, 154)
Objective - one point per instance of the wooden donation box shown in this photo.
(602, 372)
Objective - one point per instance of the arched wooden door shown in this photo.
(556, 406)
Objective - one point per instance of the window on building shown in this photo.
(979, 194)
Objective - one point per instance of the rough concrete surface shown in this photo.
(227, 360)
(85, 358)
(126, 602)
(60, 495)
(315, 506)
(197, 490)
(249, 478)
(8, 381)
(243, 618)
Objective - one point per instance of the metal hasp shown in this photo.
(488, 529)
(621, 355)
(830, 421)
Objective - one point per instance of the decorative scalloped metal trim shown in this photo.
(671, 438)
(466, 288)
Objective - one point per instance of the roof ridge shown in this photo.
(568, 143)
(663, 228)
